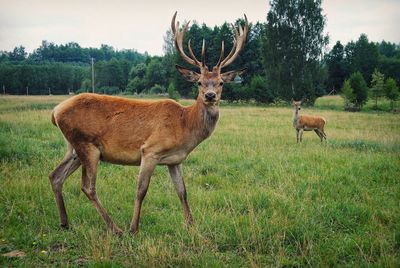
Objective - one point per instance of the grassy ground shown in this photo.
(258, 198)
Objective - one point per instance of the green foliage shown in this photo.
(391, 90)
(377, 86)
(157, 89)
(59, 78)
(73, 53)
(360, 89)
(336, 67)
(259, 90)
(362, 56)
(109, 90)
(347, 93)
(292, 68)
(156, 73)
(172, 93)
(86, 84)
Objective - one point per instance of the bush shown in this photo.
(347, 94)
(136, 85)
(172, 93)
(86, 85)
(258, 90)
(377, 86)
(355, 92)
(391, 91)
(157, 89)
(359, 89)
(107, 90)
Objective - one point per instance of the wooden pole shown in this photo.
(92, 76)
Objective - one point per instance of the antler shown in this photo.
(239, 40)
(179, 34)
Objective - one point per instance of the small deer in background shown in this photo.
(142, 133)
(307, 123)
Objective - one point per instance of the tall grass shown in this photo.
(258, 198)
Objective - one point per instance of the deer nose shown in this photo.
(210, 96)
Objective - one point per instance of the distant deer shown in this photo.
(307, 123)
(137, 132)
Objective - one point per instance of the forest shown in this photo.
(286, 58)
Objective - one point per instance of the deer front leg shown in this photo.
(176, 174)
(147, 166)
(297, 135)
(301, 131)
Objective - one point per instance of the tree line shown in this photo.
(285, 58)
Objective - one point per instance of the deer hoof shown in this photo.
(115, 230)
(64, 226)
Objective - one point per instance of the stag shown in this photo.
(307, 123)
(137, 132)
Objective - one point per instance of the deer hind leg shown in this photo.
(68, 165)
(147, 166)
(323, 133)
(176, 174)
(90, 156)
(319, 133)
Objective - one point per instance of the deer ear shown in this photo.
(229, 76)
(189, 75)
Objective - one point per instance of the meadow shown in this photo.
(258, 198)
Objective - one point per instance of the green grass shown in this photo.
(258, 198)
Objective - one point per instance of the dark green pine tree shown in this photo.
(336, 67)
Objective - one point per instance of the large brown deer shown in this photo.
(307, 123)
(145, 133)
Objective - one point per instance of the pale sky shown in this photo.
(141, 25)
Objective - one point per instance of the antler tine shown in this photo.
(179, 34)
(173, 26)
(203, 54)
(220, 56)
(239, 40)
(191, 52)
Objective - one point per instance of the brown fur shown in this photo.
(309, 121)
(121, 128)
(138, 132)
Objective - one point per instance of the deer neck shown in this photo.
(202, 119)
(296, 117)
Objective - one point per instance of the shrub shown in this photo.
(377, 86)
(391, 90)
(107, 90)
(157, 89)
(258, 90)
(347, 94)
(356, 91)
(172, 93)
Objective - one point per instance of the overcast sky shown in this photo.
(127, 24)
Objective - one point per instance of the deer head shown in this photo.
(210, 82)
(297, 104)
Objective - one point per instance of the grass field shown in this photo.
(258, 198)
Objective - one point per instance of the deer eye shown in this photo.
(199, 83)
(221, 83)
